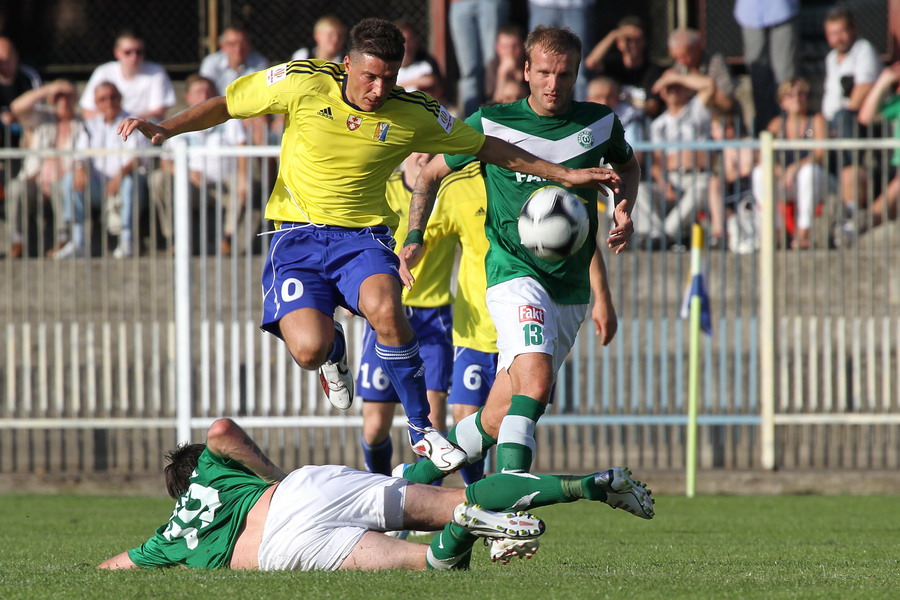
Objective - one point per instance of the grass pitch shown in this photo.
(706, 547)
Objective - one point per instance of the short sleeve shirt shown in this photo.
(335, 158)
(435, 269)
(690, 124)
(861, 65)
(463, 206)
(588, 135)
(206, 522)
(149, 90)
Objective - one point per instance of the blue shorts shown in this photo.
(321, 267)
(473, 376)
(434, 330)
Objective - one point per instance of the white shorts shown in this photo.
(529, 321)
(319, 513)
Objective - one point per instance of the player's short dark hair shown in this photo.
(555, 40)
(181, 463)
(379, 38)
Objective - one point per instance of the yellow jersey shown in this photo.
(335, 158)
(460, 210)
(435, 269)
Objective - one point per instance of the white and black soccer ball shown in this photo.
(553, 223)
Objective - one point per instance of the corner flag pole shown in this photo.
(694, 363)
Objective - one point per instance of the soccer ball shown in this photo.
(553, 223)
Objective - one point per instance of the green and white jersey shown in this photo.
(586, 136)
(204, 527)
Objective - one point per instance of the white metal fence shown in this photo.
(106, 363)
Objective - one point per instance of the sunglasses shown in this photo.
(130, 51)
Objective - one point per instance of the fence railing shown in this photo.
(107, 362)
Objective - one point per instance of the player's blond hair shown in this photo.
(553, 40)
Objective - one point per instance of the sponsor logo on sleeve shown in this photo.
(445, 119)
(276, 74)
(353, 122)
(531, 314)
(381, 131)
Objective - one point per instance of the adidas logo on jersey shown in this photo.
(480, 212)
(326, 112)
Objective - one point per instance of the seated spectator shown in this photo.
(208, 174)
(799, 174)
(113, 180)
(605, 90)
(418, 70)
(15, 79)
(235, 57)
(622, 55)
(883, 100)
(329, 33)
(505, 75)
(48, 114)
(690, 58)
(145, 86)
(851, 68)
(730, 180)
(680, 177)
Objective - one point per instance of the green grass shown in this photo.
(708, 547)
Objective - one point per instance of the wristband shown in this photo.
(414, 236)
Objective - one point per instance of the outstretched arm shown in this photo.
(225, 438)
(503, 154)
(200, 116)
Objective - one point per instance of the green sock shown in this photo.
(521, 491)
(450, 549)
(468, 434)
(515, 441)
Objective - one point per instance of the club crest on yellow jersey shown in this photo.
(353, 122)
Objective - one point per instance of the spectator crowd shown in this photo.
(84, 191)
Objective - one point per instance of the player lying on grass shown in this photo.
(236, 509)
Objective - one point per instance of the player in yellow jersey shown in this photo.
(460, 212)
(429, 308)
(347, 127)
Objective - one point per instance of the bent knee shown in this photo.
(308, 357)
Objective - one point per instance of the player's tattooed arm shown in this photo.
(226, 438)
(420, 206)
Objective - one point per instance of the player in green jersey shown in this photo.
(236, 509)
(545, 300)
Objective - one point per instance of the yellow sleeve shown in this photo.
(263, 93)
(446, 134)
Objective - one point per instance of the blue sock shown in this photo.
(473, 472)
(378, 456)
(405, 369)
(337, 349)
